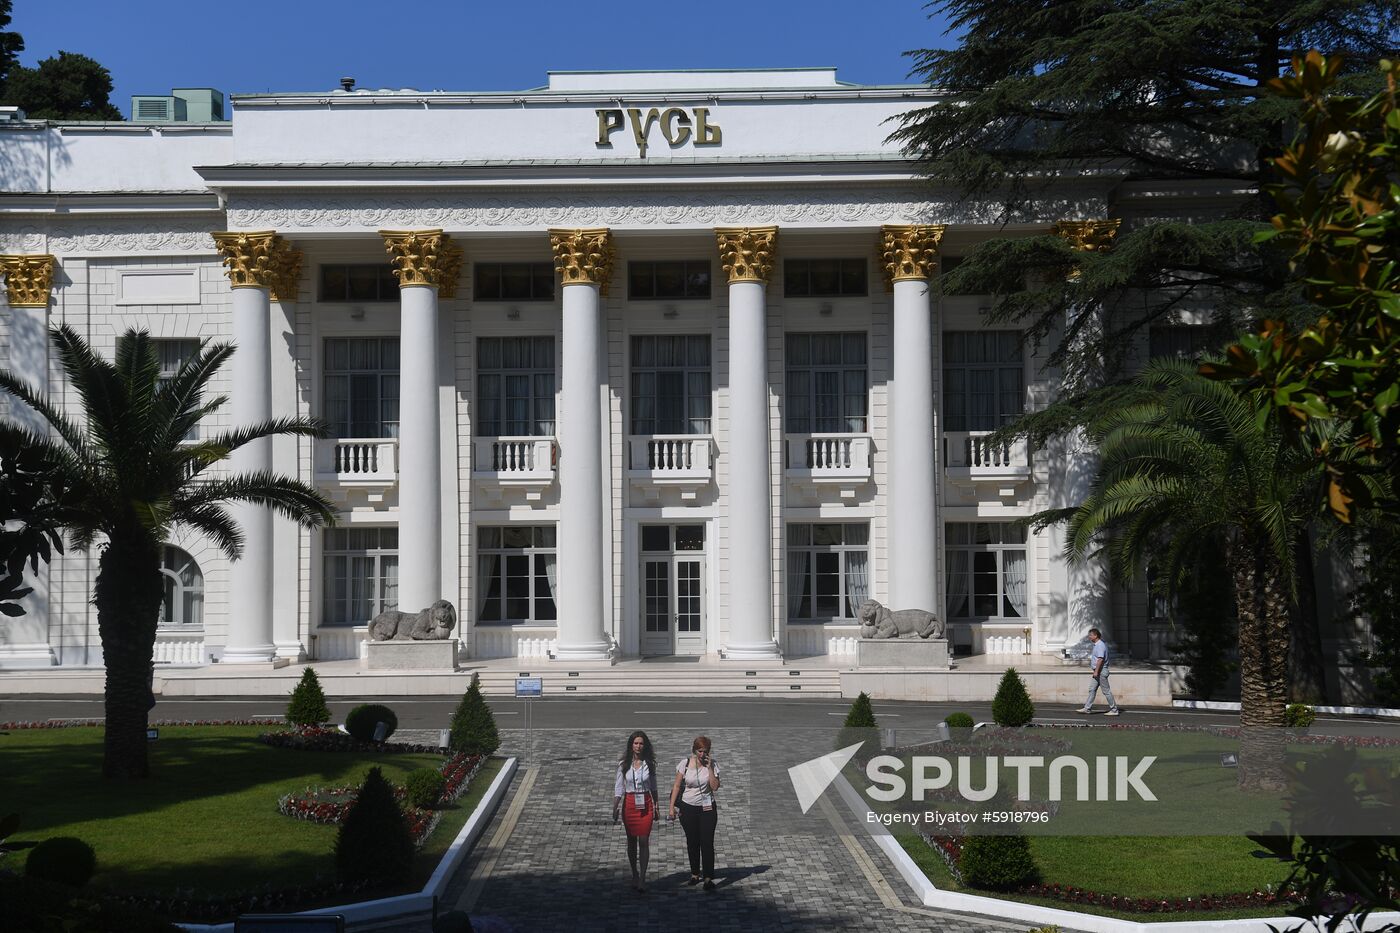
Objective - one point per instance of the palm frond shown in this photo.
(238, 437)
(67, 429)
(289, 497)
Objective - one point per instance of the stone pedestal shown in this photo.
(912, 653)
(435, 655)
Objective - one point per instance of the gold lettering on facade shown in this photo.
(424, 257)
(584, 256)
(609, 122)
(747, 253)
(28, 280)
(260, 259)
(706, 133)
(909, 252)
(675, 126)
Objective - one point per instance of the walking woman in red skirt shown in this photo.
(634, 796)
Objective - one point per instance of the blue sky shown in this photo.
(302, 45)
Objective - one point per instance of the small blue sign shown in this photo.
(529, 686)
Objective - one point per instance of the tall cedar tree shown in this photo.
(68, 86)
(1126, 95)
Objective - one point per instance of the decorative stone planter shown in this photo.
(435, 655)
(920, 653)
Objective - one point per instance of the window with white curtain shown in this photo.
(515, 387)
(826, 383)
(361, 379)
(828, 571)
(361, 574)
(984, 379)
(172, 355)
(183, 601)
(517, 572)
(987, 571)
(671, 384)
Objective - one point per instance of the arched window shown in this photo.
(184, 590)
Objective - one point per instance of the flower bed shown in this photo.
(324, 739)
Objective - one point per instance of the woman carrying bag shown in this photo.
(698, 775)
(634, 796)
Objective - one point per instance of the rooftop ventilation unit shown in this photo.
(185, 104)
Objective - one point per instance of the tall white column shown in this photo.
(910, 255)
(24, 639)
(747, 257)
(584, 261)
(424, 261)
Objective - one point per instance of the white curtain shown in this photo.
(487, 565)
(551, 573)
(1014, 579)
(389, 597)
(957, 584)
(799, 577)
(856, 586)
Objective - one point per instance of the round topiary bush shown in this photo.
(62, 859)
(473, 726)
(1012, 705)
(308, 704)
(374, 843)
(959, 721)
(424, 787)
(1299, 715)
(363, 719)
(997, 863)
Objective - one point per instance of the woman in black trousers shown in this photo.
(697, 779)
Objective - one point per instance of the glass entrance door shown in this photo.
(673, 589)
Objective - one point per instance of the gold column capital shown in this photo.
(583, 256)
(909, 252)
(1087, 236)
(424, 257)
(28, 279)
(260, 259)
(747, 253)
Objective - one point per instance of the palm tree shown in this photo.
(1191, 468)
(129, 480)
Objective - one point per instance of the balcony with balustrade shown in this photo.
(529, 464)
(369, 464)
(835, 460)
(971, 458)
(684, 462)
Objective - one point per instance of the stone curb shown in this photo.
(1225, 706)
(421, 903)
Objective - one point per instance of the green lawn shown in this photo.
(207, 818)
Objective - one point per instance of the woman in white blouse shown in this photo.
(634, 796)
(699, 776)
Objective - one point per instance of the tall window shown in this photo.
(1183, 341)
(984, 379)
(812, 278)
(516, 573)
(515, 387)
(986, 570)
(172, 354)
(513, 281)
(671, 385)
(183, 602)
(361, 567)
(828, 571)
(826, 383)
(672, 278)
(362, 386)
(363, 281)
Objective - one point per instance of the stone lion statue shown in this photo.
(878, 622)
(432, 623)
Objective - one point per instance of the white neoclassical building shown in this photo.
(632, 364)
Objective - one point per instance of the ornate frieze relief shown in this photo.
(747, 253)
(125, 237)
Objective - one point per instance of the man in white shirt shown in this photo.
(1098, 670)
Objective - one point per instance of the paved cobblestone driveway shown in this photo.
(552, 860)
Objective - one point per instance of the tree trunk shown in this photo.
(128, 594)
(1262, 606)
(1307, 671)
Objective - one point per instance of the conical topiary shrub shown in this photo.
(473, 726)
(859, 726)
(1012, 705)
(308, 705)
(374, 844)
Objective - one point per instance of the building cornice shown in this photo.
(92, 203)
(421, 99)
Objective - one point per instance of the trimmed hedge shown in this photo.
(473, 725)
(1012, 705)
(308, 704)
(959, 721)
(997, 863)
(1299, 715)
(363, 719)
(62, 860)
(424, 787)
